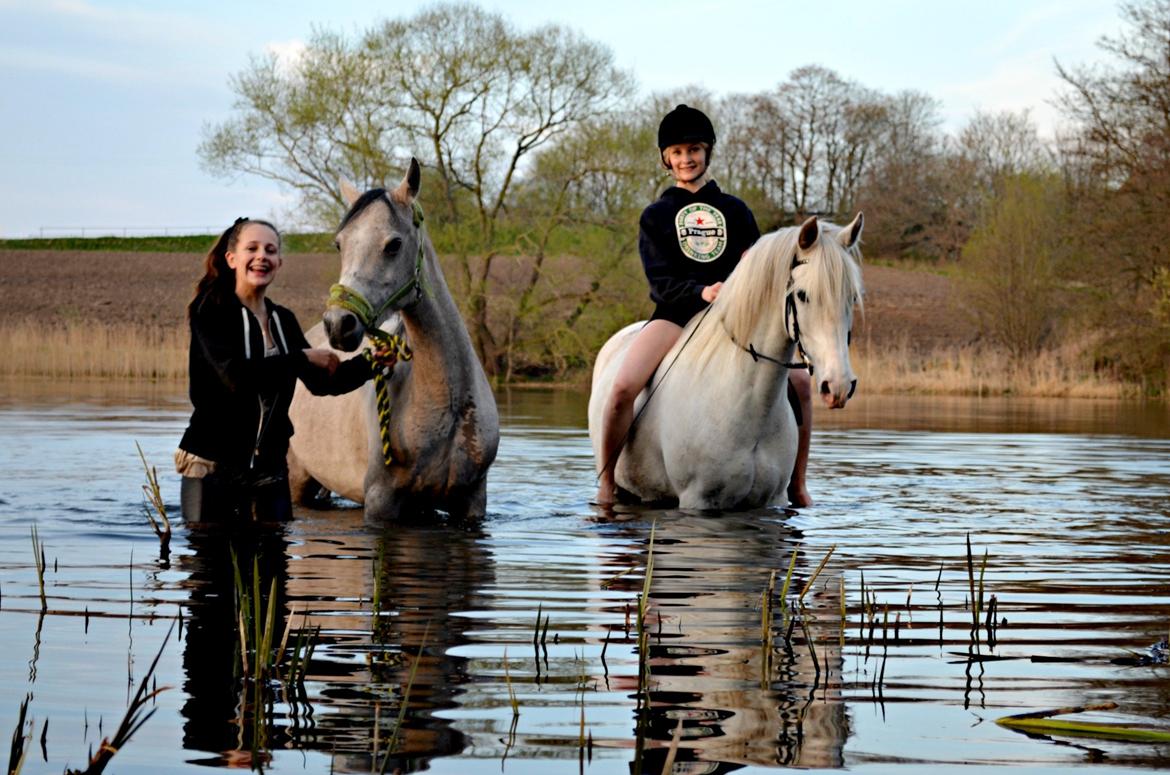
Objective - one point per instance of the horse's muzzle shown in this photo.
(344, 329)
(835, 395)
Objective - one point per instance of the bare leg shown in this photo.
(797, 492)
(645, 353)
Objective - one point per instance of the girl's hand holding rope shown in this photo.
(323, 359)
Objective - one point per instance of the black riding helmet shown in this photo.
(685, 124)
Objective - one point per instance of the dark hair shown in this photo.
(218, 282)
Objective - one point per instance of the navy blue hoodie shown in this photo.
(689, 241)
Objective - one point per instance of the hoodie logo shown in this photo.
(702, 232)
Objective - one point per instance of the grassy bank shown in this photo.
(190, 243)
(122, 351)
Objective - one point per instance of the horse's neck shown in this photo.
(727, 366)
(442, 350)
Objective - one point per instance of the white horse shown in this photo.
(431, 446)
(714, 429)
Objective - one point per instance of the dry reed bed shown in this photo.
(125, 351)
(85, 350)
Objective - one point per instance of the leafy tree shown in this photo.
(1010, 272)
(593, 185)
(454, 84)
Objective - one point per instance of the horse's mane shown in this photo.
(759, 283)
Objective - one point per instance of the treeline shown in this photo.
(539, 155)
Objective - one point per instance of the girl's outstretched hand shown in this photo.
(323, 359)
(711, 292)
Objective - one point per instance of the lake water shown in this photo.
(1065, 504)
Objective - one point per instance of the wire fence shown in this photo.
(46, 232)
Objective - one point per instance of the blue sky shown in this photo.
(103, 102)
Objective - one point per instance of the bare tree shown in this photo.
(306, 123)
(1117, 156)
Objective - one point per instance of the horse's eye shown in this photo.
(849, 337)
(337, 245)
(802, 296)
(393, 246)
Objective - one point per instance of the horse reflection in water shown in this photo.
(362, 662)
(706, 657)
(427, 575)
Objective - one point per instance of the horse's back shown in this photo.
(329, 442)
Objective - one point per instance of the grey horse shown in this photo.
(430, 445)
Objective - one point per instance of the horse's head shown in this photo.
(382, 252)
(824, 286)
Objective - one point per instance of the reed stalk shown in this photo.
(841, 596)
(39, 559)
(1043, 723)
(515, 703)
(136, 715)
(393, 744)
(786, 587)
(20, 739)
(808, 584)
(640, 624)
(766, 638)
(256, 623)
(672, 752)
(153, 504)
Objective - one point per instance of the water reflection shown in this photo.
(739, 702)
(1071, 500)
(221, 714)
(388, 604)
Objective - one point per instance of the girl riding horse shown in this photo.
(690, 239)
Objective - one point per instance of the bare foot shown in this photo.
(798, 496)
(606, 493)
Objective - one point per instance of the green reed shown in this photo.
(39, 559)
(975, 588)
(153, 505)
(255, 622)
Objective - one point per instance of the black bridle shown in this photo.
(791, 327)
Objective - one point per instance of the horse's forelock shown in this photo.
(363, 201)
(837, 277)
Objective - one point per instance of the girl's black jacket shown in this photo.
(241, 398)
(725, 228)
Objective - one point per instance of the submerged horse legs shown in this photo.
(389, 500)
(468, 504)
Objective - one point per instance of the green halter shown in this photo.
(349, 299)
(394, 347)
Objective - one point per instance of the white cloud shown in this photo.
(288, 52)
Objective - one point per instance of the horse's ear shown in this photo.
(809, 231)
(348, 192)
(849, 236)
(408, 188)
